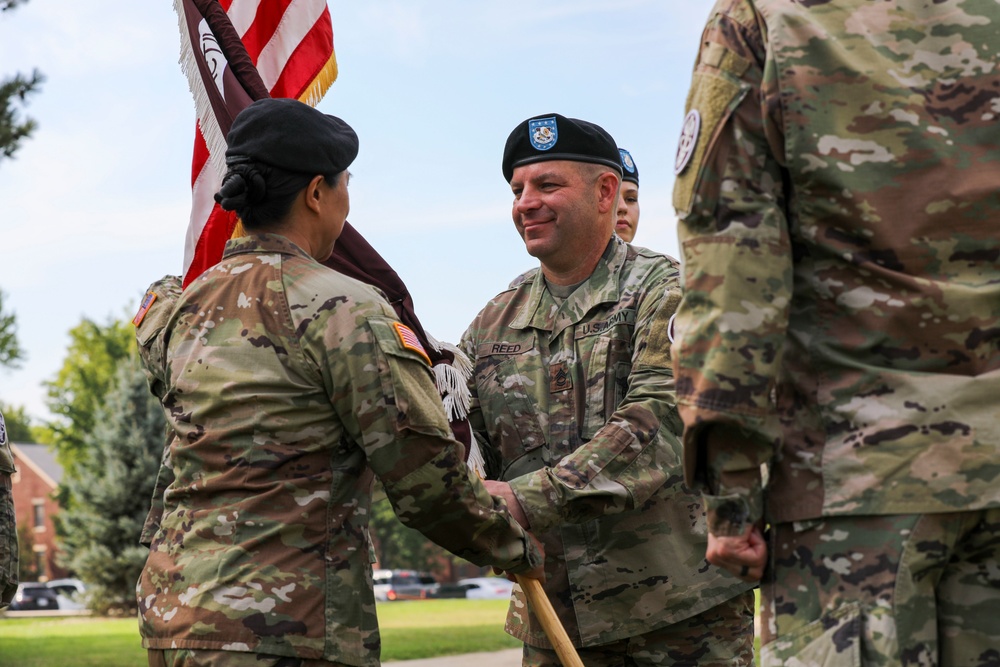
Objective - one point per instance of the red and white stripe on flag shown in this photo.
(291, 44)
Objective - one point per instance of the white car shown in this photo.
(70, 593)
(487, 588)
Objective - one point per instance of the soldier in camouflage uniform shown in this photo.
(573, 400)
(839, 195)
(288, 388)
(8, 530)
(150, 325)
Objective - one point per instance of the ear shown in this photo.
(314, 194)
(607, 192)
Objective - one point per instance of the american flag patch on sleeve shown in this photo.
(147, 302)
(410, 340)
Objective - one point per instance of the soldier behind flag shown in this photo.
(289, 387)
(627, 221)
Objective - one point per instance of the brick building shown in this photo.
(35, 482)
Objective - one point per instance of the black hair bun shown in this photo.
(244, 185)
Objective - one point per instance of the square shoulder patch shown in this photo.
(409, 340)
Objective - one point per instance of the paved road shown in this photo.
(508, 658)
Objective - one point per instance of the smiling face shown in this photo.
(628, 211)
(563, 212)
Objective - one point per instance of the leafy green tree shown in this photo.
(11, 353)
(18, 423)
(111, 491)
(77, 393)
(27, 563)
(13, 94)
(397, 546)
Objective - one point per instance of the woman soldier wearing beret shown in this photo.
(288, 388)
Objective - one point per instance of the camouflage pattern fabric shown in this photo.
(289, 388)
(8, 529)
(713, 638)
(840, 227)
(150, 329)
(575, 402)
(906, 589)
(199, 658)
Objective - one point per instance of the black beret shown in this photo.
(291, 135)
(555, 137)
(630, 172)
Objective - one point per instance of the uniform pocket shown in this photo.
(609, 364)
(833, 640)
(522, 412)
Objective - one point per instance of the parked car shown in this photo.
(32, 596)
(487, 588)
(70, 593)
(403, 585)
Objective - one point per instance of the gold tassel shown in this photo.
(238, 231)
(321, 82)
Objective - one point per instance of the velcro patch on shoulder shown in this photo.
(711, 101)
(409, 340)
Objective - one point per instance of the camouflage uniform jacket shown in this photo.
(8, 529)
(578, 402)
(288, 387)
(840, 226)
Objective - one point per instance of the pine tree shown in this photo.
(14, 92)
(110, 493)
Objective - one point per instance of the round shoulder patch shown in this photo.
(688, 141)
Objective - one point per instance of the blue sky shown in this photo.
(95, 206)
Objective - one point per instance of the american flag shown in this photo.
(234, 52)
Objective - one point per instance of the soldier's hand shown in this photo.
(743, 555)
(537, 572)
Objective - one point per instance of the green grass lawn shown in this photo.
(418, 629)
(410, 630)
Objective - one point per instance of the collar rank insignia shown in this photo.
(409, 340)
(688, 141)
(543, 133)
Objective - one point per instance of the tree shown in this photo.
(27, 562)
(79, 388)
(397, 546)
(18, 423)
(11, 353)
(111, 492)
(13, 93)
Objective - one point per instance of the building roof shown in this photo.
(40, 459)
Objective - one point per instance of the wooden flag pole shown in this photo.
(550, 622)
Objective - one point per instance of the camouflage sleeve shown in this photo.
(8, 529)
(634, 453)
(731, 324)
(150, 334)
(385, 394)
